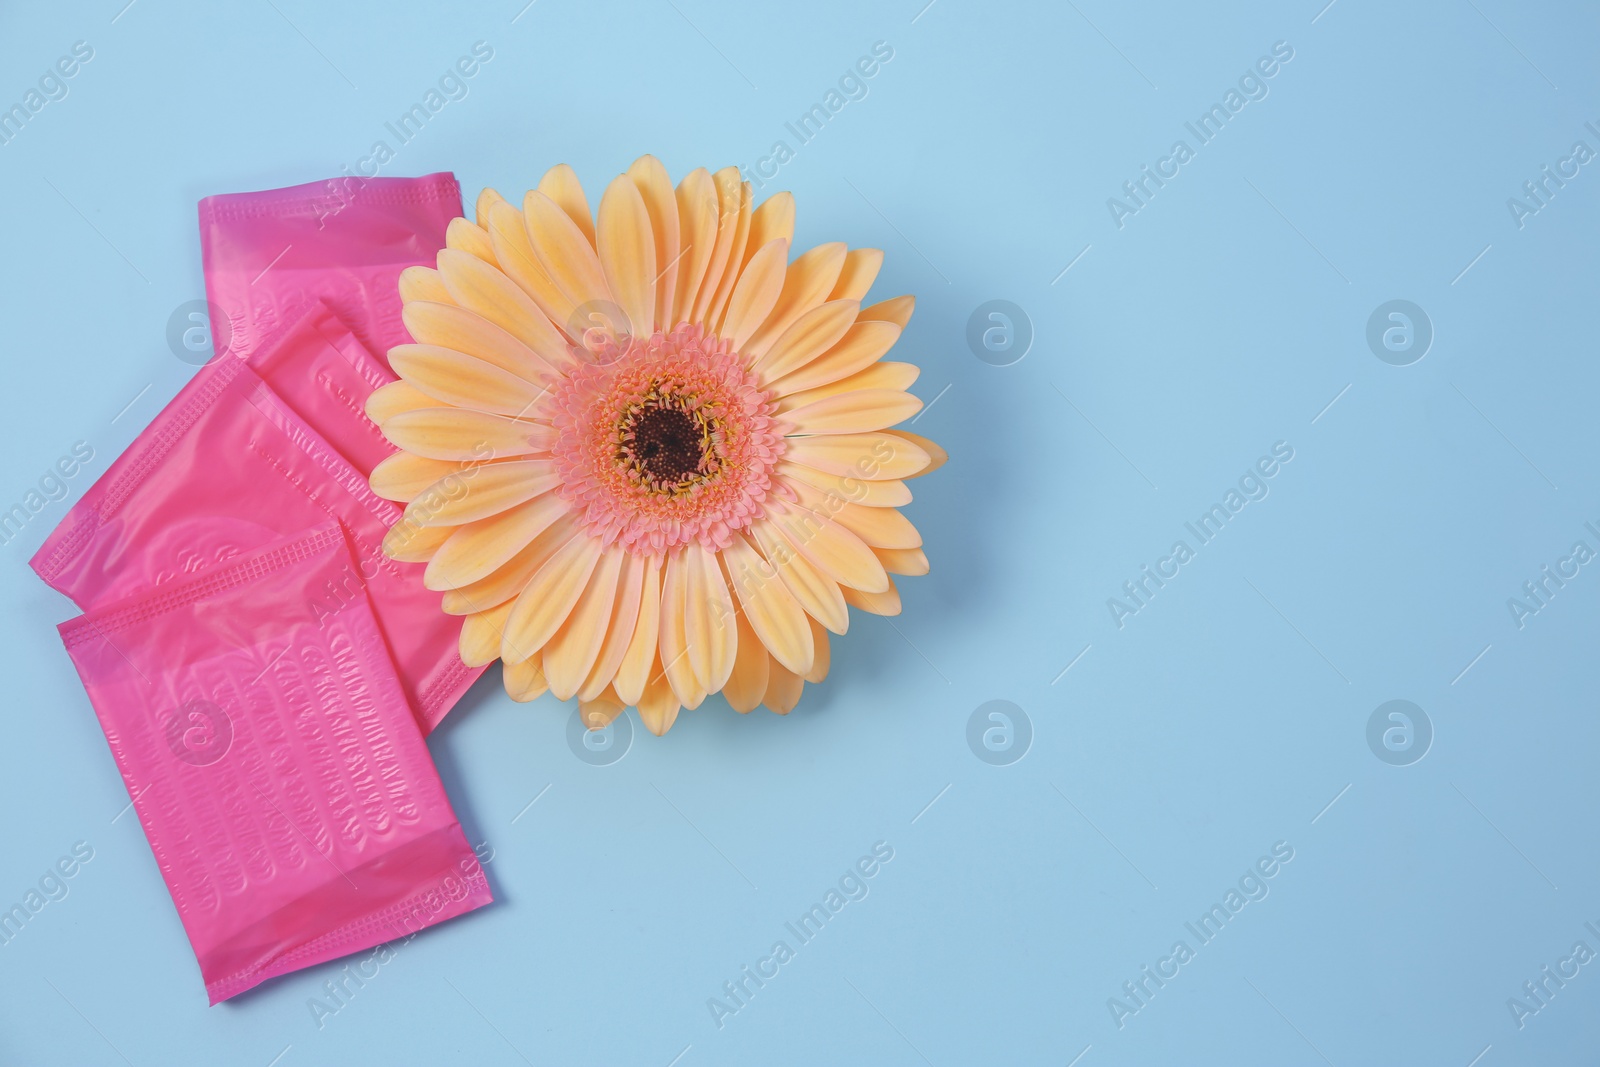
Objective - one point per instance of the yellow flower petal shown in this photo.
(564, 250)
(481, 633)
(908, 561)
(859, 455)
(697, 231)
(472, 239)
(476, 550)
(807, 338)
(709, 628)
(389, 400)
(422, 283)
(817, 593)
(878, 527)
(674, 639)
(465, 381)
(547, 600)
(658, 707)
(410, 543)
(807, 283)
(598, 712)
(936, 455)
(661, 203)
(465, 496)
(747, 683)
(458, 434)
(560, 183)
(487, 291)
(486, 200)
(884, 603)
(854, 412)
(774, 614)
(402, 476)
(628, 254)
(783, 689)
(619, 631)
(738, 200)
(732, 215)
(756, 292)
(862, 345)
(634, 673)
(524, 680)
(896, 309)
(570, 654)
(511, 577)
(895, 376)
(456, 328)
(772, 220)
(509, 232)
(831, 548)
(860, 270)
(820, 663)
(890, 493)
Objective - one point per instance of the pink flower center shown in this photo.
(665, 440)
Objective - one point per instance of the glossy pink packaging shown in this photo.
(280, 779)
(226, 468)
(268, 256)
(324, 374)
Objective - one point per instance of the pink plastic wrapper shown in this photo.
(270, 255)
(324, 374)
(283, 786)
(223, 470)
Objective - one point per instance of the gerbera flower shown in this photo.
(647, 456)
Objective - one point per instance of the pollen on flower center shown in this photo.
(668, 440)
(668, 445)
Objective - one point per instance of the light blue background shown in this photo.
(1224, 717)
